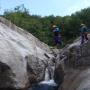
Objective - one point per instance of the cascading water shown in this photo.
(49, 73)
(46, 75)
(48, 83)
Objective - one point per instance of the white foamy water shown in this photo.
(49, 82)
(46, 75)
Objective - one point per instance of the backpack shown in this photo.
(56, 31)
(84, 29)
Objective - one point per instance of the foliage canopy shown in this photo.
(41, 26)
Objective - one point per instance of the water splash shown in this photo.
(46, 75)
(49, 73)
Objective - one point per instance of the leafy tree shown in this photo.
(41, 26)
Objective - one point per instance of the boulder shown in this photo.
(23, 57)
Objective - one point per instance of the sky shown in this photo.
(46, 7)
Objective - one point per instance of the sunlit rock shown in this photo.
(23, 58)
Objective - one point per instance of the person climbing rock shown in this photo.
(83, 32)
(57, 35)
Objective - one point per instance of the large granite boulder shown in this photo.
(23, 58)
(73, 59)
(78, 54)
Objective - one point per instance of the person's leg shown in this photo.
(86, 36)
(60, 40)
(82, 38)
(55, 41)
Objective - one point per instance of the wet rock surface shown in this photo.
(77, 79)
(59, 75)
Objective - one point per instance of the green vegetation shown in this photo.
(41, 26)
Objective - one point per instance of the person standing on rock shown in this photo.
(57, 35)
(83, 32)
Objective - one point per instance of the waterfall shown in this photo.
(52, 68)
(49, 73)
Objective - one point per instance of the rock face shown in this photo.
(78, 55)
(59, 76)
(75, 59)
(23, 58)
(74, 55)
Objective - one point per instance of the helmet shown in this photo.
(54, 26)
(82, 24)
